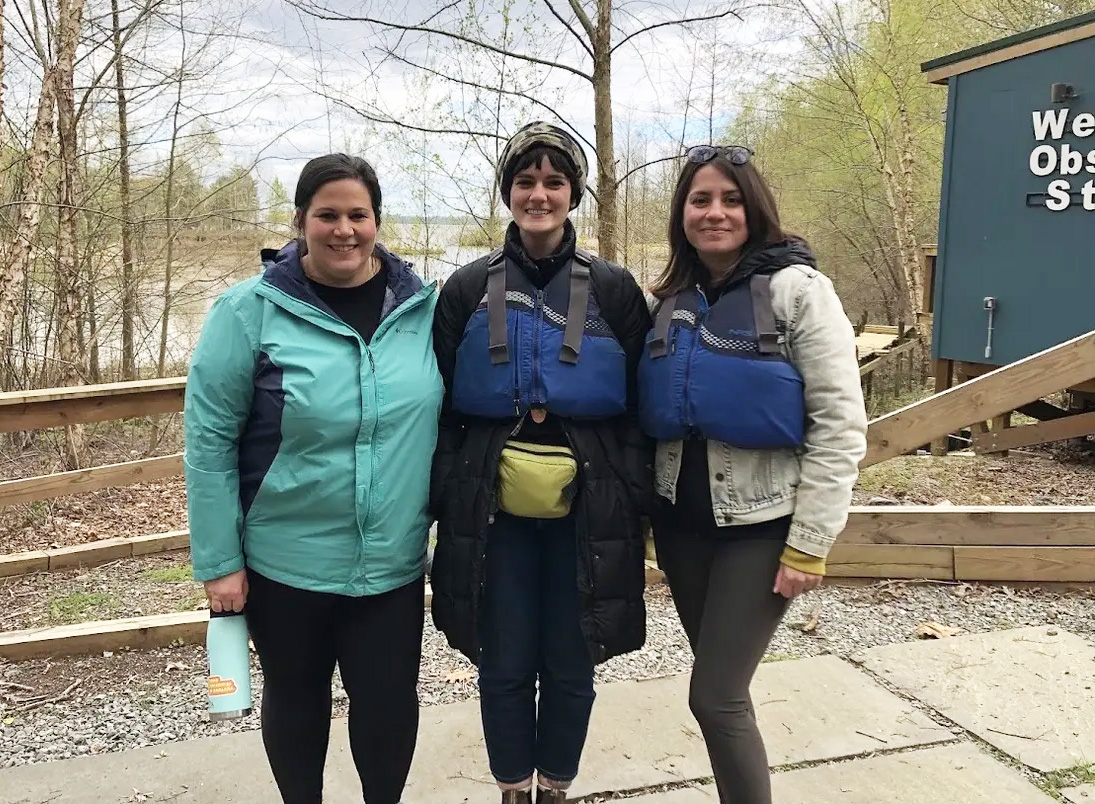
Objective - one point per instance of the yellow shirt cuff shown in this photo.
(803, 562)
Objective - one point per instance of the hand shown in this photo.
(228, 593)
(791, 582)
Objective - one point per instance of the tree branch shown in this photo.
(644, 166)
(567, 25)
(510, 92)
(729, 12)
(583, 18)
(326, 14)
(391, 121)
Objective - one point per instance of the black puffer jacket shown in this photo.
(616, 477)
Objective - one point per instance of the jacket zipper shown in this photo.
(545, 454)
(585, 553)
(515, 359)
(394, 314)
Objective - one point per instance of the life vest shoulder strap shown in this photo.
(577, 307)
(764, 318)
(659, 344)
(496, 308)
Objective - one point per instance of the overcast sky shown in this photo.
(268, 89)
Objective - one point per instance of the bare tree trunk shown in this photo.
(68, 273)
(93, 328)
(914, 270)
(1, 80)
(169, 202)
(13, 269)
(129, 286)
(602, 121)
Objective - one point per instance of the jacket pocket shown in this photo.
(761, 477)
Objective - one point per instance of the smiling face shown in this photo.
(540, 200)
(340, 230)
(714, 217)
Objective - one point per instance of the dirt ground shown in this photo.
(964, 479)
(130, 587)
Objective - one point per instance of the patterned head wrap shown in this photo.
(538, 134)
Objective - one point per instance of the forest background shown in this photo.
(148, 147)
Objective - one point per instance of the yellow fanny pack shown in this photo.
(536, 480)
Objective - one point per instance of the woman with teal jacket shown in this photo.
(310, 421)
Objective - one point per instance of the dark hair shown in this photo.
(333, 167)
(532, 159)
(761, 216)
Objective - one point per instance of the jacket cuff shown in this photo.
(808, 540)
(803, 562)
(226, 567)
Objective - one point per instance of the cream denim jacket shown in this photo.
(814, 483)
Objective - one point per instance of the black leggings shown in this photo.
(377, 643)
(722, 588)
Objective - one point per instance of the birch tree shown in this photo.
(56, 75)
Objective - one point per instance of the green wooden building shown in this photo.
(1015, 266)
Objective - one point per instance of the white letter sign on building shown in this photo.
(1063, 159)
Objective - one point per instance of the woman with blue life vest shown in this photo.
(749, 383)
(541, 473)
(311, 422)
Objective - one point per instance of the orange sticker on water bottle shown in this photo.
(221, 686)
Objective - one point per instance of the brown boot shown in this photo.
(550, 795)
(516, 797)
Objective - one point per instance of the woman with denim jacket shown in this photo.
(750, 385)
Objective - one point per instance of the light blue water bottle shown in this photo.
(229, 682)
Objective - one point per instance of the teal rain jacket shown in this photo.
(308, 451)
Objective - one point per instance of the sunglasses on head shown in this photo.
(735, 154)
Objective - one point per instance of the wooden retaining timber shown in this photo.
(93, 553)
(131, 633)
(137, 633)
(967, 543)
(870, 544)
(971, 525)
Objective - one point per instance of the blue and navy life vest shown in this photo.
(527, 348)
(718, 372)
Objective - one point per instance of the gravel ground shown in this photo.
(136, 699)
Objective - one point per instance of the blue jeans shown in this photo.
(529, 631)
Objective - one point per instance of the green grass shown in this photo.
(1070, 777)
(196, 599)
(74, 607)
(879, 404)
(776, 657)
(889, 477)
(169, 574)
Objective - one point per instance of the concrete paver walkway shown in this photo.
(860, 742)
(958, 773)
(1030, 692)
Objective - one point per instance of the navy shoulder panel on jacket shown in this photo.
(284, 271)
